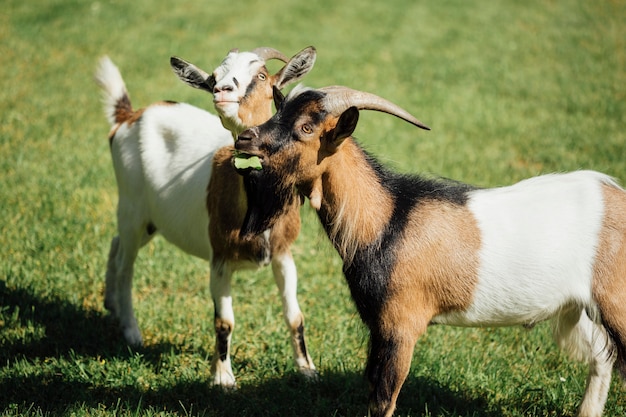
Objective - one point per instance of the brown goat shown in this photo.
(418, 251)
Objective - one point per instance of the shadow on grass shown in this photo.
(71, 331)
(334, 395)
(66, 329)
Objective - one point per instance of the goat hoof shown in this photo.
(226, 383)
(133, 337)
(310, 375)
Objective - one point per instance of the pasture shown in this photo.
(510, 89)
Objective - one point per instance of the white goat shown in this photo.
(173, 168)
(419, 251)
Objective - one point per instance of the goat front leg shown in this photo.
(388, 365)
(286, 277)
(224, 324)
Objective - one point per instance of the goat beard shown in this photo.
(267, 199)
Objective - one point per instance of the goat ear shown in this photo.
(192, 75)
(297, 67)
(279, 97)
(345, 126)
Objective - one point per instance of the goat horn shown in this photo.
(339, 99)
(267, 53)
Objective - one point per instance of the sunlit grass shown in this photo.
(510, 89)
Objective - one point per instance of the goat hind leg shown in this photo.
(588, 341)
(609, 345)
(125, 262)
(111, 290)
(286, 277)
(119, 277)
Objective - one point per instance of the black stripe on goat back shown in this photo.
(369, 272)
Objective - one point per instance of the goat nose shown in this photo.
(226, 86)
(223, 87)
(249, 134)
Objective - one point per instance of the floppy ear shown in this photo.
(279, 97)
(297, 67)
(192, 75)
(344, 128)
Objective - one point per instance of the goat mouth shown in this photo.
(245, 162)
(225, 102)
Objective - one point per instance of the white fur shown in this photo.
(169, 168)
(539, 239)
(110, 80)
(538, 244)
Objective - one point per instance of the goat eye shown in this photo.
(306, 128)
(262, 77)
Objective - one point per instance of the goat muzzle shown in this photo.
(245, 138)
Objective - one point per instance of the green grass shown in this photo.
(511, 89)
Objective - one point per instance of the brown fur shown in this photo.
(426, 282)
(261, 98)
(439, 261)
(124, 113)
(223, 330)
(123, 109)
(369, 209)
(230, 209)
(609, 284)
(388, 368)
(224, 234)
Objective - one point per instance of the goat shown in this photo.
(173, 171)
(420, 251)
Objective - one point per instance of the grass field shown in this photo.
(511, 89)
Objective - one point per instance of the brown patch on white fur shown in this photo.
(225, 215)
(124, 113)
(436, 269)
(609, 281)
(123, 110)
(223, 330)
(230, 210)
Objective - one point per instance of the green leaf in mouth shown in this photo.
(244, 161)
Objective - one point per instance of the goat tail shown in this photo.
(117, 106)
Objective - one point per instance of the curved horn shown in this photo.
(267, 53)
(338, 99)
